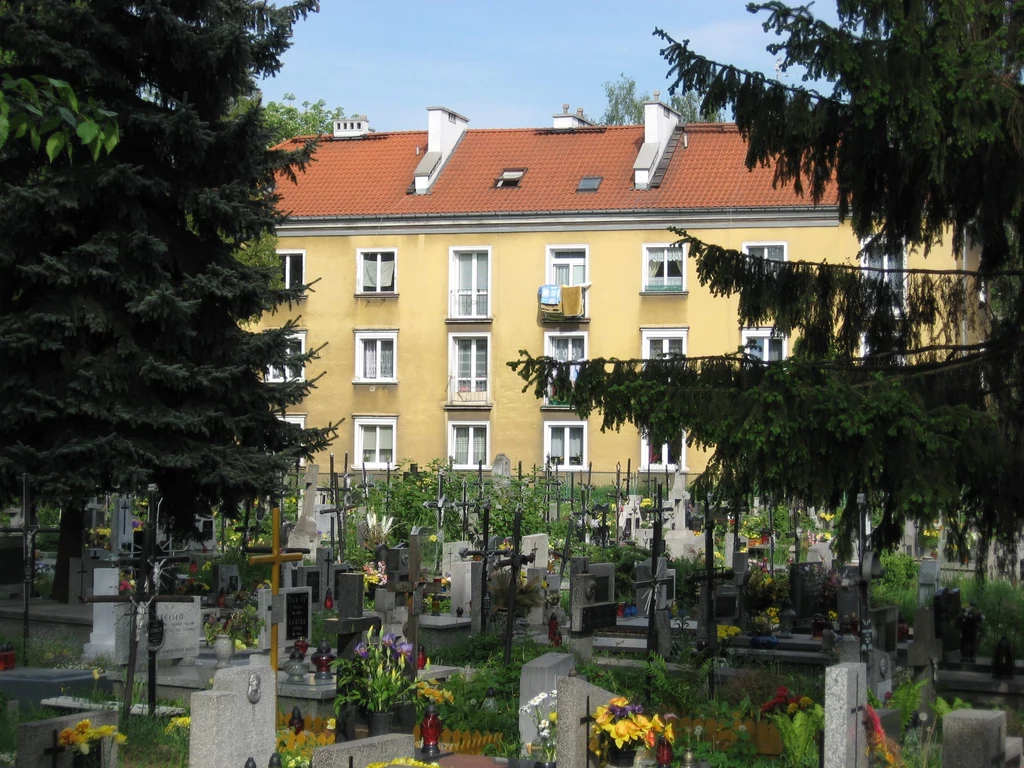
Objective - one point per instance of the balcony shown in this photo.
(469, 305)
(561, 303)
(462, 395)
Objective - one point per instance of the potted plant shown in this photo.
(377, 678)
(243, 627)
(621, 728)
(541, 710)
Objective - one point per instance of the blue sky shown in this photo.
(510, 64)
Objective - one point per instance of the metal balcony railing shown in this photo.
(468, 303)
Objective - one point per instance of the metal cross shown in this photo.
(440, 506)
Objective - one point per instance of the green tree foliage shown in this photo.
(285, 120)
(917, 135)
(126, 354)
(626, 106)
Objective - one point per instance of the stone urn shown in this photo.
(224, 650)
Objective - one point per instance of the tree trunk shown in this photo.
(69, 545)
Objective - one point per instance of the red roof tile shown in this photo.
(370, 176)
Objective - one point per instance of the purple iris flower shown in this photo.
(405, 649)
(388, 639)
(362, 651)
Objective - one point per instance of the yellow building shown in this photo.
(435, 256)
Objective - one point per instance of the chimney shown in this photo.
(444, 131)
(348, 127)
(660, 120)
(565, 121)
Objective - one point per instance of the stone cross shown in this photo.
(275, 559)
(304, 535)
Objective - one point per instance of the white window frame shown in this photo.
(286, 264)
(766, 244)
(746, 334)
(644, 277)
(453, 283)
(864, 245)
(550, 336)
(485, 425)
(645, 453)
(549, 268)
(357, 426)
(455, 396)
(295, 418)
(360, 288)
(372, 335)
(565, 425)
(279, 375)
(647, 335)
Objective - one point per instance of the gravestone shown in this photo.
(577, 701)
(324, 561)
(540, 614)
(80, 570)
(946, 610)
(224, 577)
(461, 594)
(804, 579)
(102, 639)
(297, 619)
(684, 544)
(976, 738)
(289, 574)
(121, 532)
(927, 582)
(591, 603)
(820, 552)
(372, 750)
(235, 720)
(305, 534)
(309, 576)
(539, 676)
(37, 741)
(501, 469)
(536, 544)
(924, 653)
(845, 697)
(848, 599)
(666, 591)
(182, 630)
(348, 594)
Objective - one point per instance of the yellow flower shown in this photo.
(792, 708)
(433, 537)
(805, 702)
(95, 674)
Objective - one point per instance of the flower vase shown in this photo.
(381, 722)
(224, 650)
(623, 757)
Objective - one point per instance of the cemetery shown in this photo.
(435, 615)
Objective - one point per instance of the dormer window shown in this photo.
(510, 177)
(589, 183)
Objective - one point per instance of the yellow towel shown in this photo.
(572, 301)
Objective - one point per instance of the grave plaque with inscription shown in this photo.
(296, 615)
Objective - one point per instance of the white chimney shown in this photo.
(660, 120)
(356, 125)
(565, 121)
(444, 130)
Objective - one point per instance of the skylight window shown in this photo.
(589, 183)
(510, 177)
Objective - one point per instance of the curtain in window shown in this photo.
(387, 272)
(774, 349)
(481, 365)
(462, 445)
(370, 359)
(387, 359)
(386, 437)
(369, 271)
(465, 365)
(656, 262)
(675, 346)
(479, 445)
(369, 444)
(576, 446)
(558, 444)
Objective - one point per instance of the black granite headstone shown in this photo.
(296, 615)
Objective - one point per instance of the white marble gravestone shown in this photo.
(536, 544)
(102, 639)
(846, 691)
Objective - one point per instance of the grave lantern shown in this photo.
(421, 658)
(322, 661)
(430, 728)
(297, 722)
(664, 753)
(328, 600)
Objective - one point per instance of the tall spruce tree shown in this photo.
(908, 391)
(127, 354)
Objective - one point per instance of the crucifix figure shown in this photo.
(275, 558)
(515, 562)
(464, 505)
(659, 575)
(414, 589)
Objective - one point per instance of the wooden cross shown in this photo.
(275, 558)
(413, 589)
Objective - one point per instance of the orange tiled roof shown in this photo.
(370, 176)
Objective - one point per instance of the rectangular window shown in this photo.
(376, 356)
(662, 342)
(565, 445)
(469, 368)
(566, 348)
(375, 443)
(290, 371)
(885, 266)
(664, 268)
(470, 283)
(764, 344)
(769, 251)
(293, 268)
(567, 265)
(376, 271)
(468, 444)
(661, 457)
